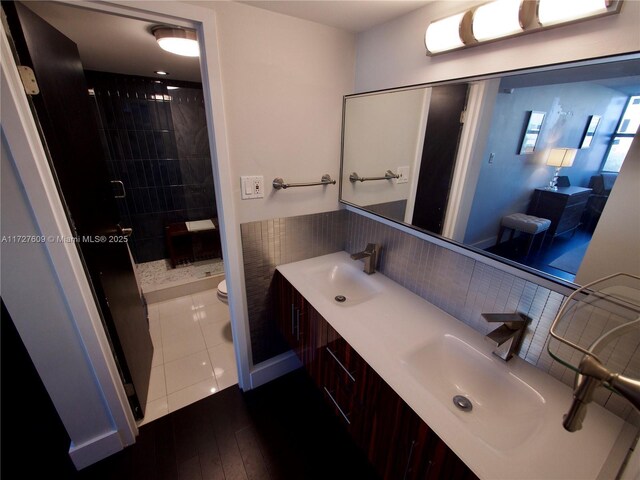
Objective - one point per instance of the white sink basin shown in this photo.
(506, 409)
(343, 279)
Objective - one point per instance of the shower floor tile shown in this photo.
(193, 352)
(159, 274)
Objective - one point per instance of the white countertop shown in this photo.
(387, 327)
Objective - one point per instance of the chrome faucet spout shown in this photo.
(370, 255)
(506, 338)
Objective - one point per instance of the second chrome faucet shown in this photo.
(370, 255)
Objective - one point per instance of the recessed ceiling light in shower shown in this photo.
(180, 41)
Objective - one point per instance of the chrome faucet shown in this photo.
(595, 374)
(507, 337)
(370, 255)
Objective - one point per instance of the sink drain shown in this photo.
(463, 403)
(340, 298)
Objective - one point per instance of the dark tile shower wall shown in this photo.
(457, 284)
(269, 243)
(157, 145)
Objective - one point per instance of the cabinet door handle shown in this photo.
(344, 415)
(340, 363)
(292, 319)
(298, 325)
(407, 469)
(426, 474)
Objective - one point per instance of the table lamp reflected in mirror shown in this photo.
(559, 157)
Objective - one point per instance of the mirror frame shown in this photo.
(439, 239)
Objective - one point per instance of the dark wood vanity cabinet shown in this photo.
(396, 440)
(564, 207)
(292, 317)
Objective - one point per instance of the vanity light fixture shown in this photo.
(508, 18)
(181, 41)
(559, 157)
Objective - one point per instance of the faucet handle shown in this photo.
(514, 321)
(371, 248)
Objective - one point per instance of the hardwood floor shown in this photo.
(541, 258)
(281, 430)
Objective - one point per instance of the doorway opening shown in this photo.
(154, 137)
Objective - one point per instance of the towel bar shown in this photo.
(278, 183)
(388, 175)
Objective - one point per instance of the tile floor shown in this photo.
(193, 352)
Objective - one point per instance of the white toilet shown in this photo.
(222, 291)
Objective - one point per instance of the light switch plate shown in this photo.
(404, 175)
(251, 187)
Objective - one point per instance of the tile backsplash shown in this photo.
(269, 243)
(461, 286)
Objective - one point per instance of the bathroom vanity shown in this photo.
(390, 364)
(397, 442)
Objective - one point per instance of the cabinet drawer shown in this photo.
(570, 218)
(341, 358)
(342, 402)
(578, 198)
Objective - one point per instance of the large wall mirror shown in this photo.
(447, 159)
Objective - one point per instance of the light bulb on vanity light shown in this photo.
(444, 34)
(551, 12)
(497, 19)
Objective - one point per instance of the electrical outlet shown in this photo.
(251, 187)
(404, 175)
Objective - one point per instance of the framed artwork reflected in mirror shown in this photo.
(532, 132)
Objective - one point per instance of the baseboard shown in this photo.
(95, 449)
(273, 368)
(182, 289)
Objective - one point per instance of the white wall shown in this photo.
(283, 80)
(382, 132)
(393, 54)
(614, 245)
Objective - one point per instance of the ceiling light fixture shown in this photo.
(161, 72)
(180, 41)
(507, 18)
